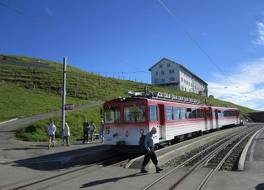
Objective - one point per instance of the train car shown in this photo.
(174, 117)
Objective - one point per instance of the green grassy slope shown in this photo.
(17, 101)
(80, 84)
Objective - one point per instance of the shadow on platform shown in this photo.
(115, 179)
(64, 159)
(24, 148)
(260, 186)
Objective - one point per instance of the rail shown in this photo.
(202, 158)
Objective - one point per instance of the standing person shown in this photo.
(92, 128)
(51, 133)
(66, 135)
(150, 153)
(101, 132)
(85, 130)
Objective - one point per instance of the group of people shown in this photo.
(51, 130)
(88, 133)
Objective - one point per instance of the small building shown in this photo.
(169, 73)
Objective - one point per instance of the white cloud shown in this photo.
(244, 87)
(49, 11)
(260, 31)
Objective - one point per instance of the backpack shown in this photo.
(142, 141)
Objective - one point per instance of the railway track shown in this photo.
(45, 182)
(213, 156)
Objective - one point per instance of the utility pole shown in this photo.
(63, 93)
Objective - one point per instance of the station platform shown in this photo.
(118, 178)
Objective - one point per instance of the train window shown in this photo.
(220, 114)
(189, 113)
(199, 113)
(208, 114)
(112, 115)
(183, 113)
(153, 113)
(196, 113)
(228, 113)
(176, 113)
(168, 113)
(135, 114)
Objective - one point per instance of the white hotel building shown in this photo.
(169, 73)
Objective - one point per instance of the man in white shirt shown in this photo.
(51, 133)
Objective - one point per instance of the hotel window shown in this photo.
(157, 73)
(162, 72)
(160, 66)
(168, 65)
(171, 70)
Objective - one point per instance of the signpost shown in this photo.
(63, 93)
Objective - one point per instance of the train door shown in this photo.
(210, 117)
(215, 118)
(162, 134)
(205, 119)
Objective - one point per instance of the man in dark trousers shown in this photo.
(150, 153)
(85, 130)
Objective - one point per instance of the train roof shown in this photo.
(158, 96)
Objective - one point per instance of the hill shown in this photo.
(30, 86)
(46, 75)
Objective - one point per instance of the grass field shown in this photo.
(17, 101)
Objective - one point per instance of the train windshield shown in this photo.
(112, 115)
(135, 113)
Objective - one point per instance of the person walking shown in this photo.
(150, 153)
(51, 134)
(91, 131)
(66, 135)
(85, 130)
(101, 131)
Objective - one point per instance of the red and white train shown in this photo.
(173, 117)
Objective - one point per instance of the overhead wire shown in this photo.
(195, 42)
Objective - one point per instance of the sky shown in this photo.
(220, 41)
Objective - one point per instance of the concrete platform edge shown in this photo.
(242, 159)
